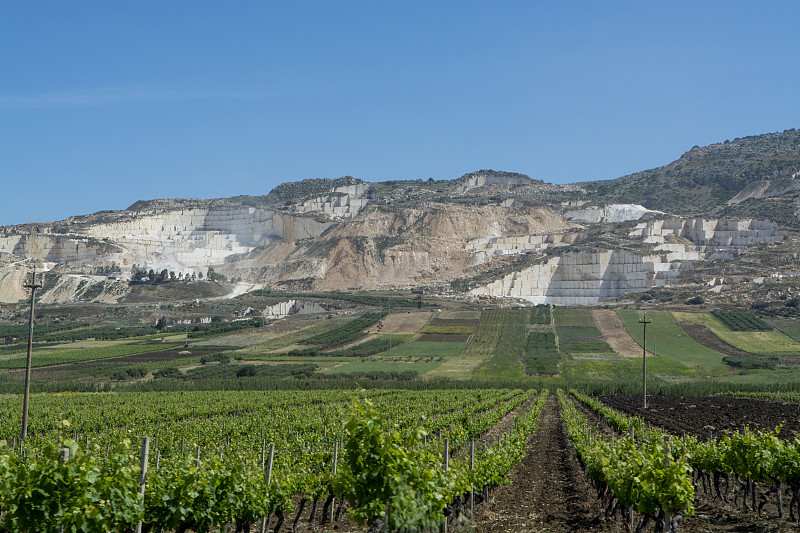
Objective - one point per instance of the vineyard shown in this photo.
(403, 420)
(741, 321)
(205, 457)
(347, 460)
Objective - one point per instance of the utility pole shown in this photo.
(32, 286)
(644, 322)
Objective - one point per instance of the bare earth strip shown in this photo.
(402, 323)
(548, 490)
(610, 325)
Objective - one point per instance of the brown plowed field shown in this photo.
(699, 415)
(609, 324)
(706, 337)
(712, 515)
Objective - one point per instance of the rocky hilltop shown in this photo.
(485, 234)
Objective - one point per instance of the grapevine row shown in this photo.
(647, 477)
(749, 457)
(87, 489)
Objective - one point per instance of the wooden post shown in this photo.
(27, 390)
(445, 464)
(644, 323)
(471, 468)
(335, 463)
(265, 520)
(197, 457)
(143, 473)
(667, 517)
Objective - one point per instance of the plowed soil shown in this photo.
(706, 337)
(699, 415)
(548, 490)
(609, 324)
(713, 515)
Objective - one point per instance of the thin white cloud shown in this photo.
(117, 95)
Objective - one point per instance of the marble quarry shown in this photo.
(54, 248)
(610, 214)
(184, 240)
(295, 307)
(584, 278)
(483, 248)
(342, 202)
(590, 278)
(710, 235)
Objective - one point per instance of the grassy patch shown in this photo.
(757, 342)
(373, 365)
(427, 349)
(666, 338)
(384, 343)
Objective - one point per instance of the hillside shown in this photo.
(754, 177)
(485, 234)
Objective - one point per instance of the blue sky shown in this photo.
(106, 103)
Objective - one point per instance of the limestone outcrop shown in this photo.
(342, 202)
(613, 213)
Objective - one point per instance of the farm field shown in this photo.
(699, 415)
(612, 329)
(667, 340)
(755, 342)
(546, 488)
(478, 373)
(477, 351)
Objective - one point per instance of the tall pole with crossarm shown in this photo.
(644, 322)
(32, 286)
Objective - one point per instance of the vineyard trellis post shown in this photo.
(143, 473)
(445, 464)
(644, 321)
(334, 471)
(264, 520)
(471, 468)
(27, 393)
(667, 517)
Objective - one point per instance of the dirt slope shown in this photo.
(609, 324)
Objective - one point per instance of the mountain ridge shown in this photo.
(486, 233)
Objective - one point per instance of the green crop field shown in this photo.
(478, 350)
(758, 342)
(578, 335)
(426, 349)
(420, 367)
(506, 360)
(59, 357)
(667, 340)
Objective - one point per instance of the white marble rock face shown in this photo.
(589, 278)
(184, 240)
